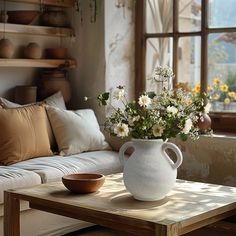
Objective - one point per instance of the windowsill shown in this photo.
(221, 135)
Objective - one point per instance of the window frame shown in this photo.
(221, 121)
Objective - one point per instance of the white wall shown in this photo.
(105, 53)
(119, 45)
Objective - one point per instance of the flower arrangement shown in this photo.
(169, 114)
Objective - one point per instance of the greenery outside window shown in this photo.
(197, 38)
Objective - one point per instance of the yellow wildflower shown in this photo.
(209, 88)
(197, 88)
(224, 88)
(227, 101)
(231, 94)
(216, 81)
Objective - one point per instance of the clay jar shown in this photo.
(3, 16)
(33, 51)
(6, 48)
(204, 123)
(54, 16)
(52, 81)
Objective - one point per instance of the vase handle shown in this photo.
(123, 148)
(177, 152)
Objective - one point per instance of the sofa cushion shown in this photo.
(53, 168)
(55, 100)
(11, 178)
(76, 131)
(23, 134)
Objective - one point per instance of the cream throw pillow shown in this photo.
(76, 131)
(23, 134)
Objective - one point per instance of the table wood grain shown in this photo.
(189, 206)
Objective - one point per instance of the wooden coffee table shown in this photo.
(189, 206)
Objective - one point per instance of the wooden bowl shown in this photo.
(83, 183)
(56, 53)
(21, 17)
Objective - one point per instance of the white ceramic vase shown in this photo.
(149, 173)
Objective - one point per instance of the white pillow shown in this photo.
(8, 104)
(76, 131)
(55, 100)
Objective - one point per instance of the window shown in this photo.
(197, 38)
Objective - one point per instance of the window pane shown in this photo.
(222, 71)
(190, 15)
(159, 16)
(222, 13)
(189, 62)
(158, 53)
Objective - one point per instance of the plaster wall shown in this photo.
(119, 46)
(209, 159)
(88, 48)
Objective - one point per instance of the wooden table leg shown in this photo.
(11, 215)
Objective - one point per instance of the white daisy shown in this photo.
(172, 109)
(119, 94)
(144, 101)
(121, 130)
(157, 130)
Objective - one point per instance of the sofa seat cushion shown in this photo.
(11, 178)
(53, 168)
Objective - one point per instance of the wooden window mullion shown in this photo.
(140, 46)
(204, 47)
(175, 40)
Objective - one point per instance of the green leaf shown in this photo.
(103, 98)
(183, 136)
(151, 94)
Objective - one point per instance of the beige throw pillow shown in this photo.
(23, 134)
(55, 100)
(76, 131)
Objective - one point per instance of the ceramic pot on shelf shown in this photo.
(6, 48)
(33, 51)
(149, 173)
(54, 16)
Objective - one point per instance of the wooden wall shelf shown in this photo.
(37, 63)
(36, 30)
(59, 3)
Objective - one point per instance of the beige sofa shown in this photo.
(27, 131)
(46, 169)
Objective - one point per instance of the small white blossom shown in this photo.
(132, 119)
(144, 101)
(119, 94)
(207, 108)
(172, 109)
(121, 130)
(157, 130)
(85, 99)
(187, 126)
